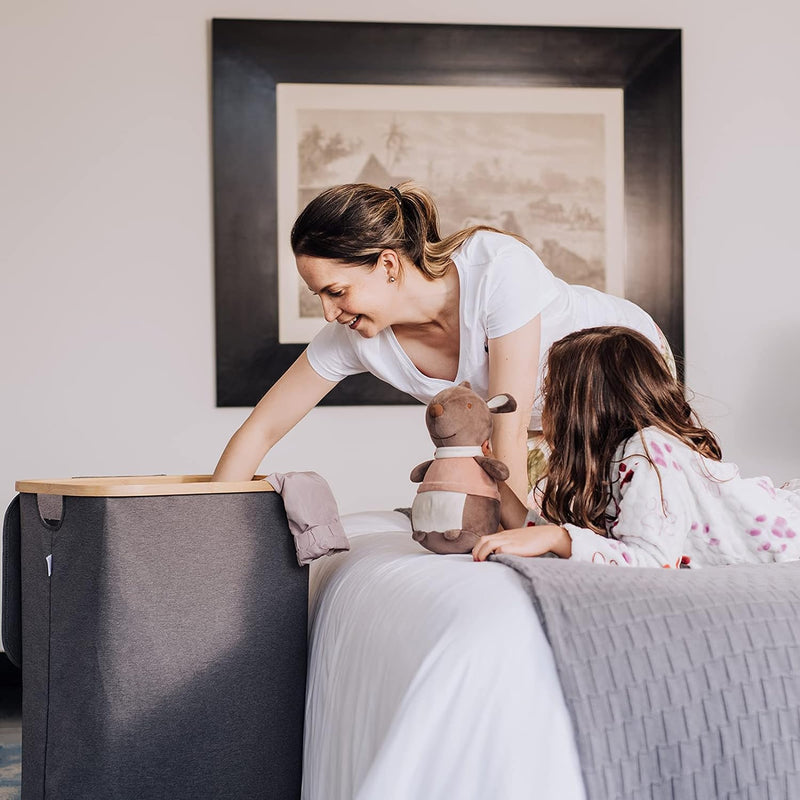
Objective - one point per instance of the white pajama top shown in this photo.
(682, 504)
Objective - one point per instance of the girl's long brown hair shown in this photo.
(601, 386)
(355, 222)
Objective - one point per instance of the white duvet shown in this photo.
(430, 678)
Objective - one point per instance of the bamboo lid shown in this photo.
(141, 486)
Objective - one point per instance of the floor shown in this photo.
(10, 728)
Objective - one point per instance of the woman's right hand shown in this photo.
(295, 393)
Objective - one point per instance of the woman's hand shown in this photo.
(531, 541)
(298, 390)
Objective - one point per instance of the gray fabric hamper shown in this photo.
(164, 656)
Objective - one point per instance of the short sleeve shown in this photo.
(332, 354)
(519, 288)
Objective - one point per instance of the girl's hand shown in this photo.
(532, 541)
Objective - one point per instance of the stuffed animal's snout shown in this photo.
(436, 409)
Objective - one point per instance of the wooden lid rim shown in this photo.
(141, 486)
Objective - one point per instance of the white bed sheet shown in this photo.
(430, 678)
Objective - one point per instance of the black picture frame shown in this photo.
(250, 57)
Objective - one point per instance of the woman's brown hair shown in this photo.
(355, 222)
(601, 386)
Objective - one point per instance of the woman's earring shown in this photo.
(391, 279)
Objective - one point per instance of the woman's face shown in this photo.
(362, 298)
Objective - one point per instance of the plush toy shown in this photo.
(458, 500)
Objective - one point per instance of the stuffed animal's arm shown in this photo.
(418, 473)
(493, 467)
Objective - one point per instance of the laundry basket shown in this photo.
(160, 624)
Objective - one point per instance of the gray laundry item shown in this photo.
(312, 513)
(165, 656)
(680, 683)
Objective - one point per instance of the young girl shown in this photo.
(422, 312)
(633, 478)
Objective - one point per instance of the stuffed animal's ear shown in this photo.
(502, 404)
(465, 384)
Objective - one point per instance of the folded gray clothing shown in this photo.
(312, 514)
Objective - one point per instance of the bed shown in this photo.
(429, 677)
(436, 677)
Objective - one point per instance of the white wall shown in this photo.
(106, 306)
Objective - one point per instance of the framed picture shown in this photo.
(568, 136)
(553, 171)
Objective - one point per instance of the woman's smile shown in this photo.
(351, 323)
(340, 288)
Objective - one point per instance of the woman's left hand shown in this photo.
(531, 541)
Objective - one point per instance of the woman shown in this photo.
(421, 312)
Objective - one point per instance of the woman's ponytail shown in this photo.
(355, 222)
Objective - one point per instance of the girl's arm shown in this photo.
(652, 523)
(532, 541)
(298, 390)
(514, 369)
(650, 530)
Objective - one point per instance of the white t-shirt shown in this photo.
(503, 286)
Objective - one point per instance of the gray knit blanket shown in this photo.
(680, 683)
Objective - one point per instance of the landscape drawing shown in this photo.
(542, 163)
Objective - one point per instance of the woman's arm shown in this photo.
(514, 369)
(298, 390)
(512, 510)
